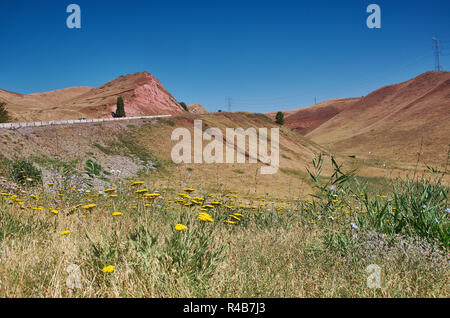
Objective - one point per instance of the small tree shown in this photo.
(279, 119)
(4, 116)
(184, 106)
(120, 110)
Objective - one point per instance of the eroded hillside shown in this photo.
(143, 95)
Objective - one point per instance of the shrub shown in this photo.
(24, 172)
(279, 119)
(4, 116)
(94, 170)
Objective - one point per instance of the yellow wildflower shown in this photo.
(180, 227)
(89, 206)
(184, 195)
(205, 217)
(109, 269)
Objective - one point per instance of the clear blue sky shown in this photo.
(265, 55)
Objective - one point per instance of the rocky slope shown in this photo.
(197, 109)
(143, 95)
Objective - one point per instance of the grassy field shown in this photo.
(142, 240)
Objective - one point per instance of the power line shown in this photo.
(293, 100)
(437, 55)
(365, 83)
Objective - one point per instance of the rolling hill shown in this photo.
(307, 119)
(143, 95)
(392, 122)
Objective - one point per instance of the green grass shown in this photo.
(373, 185)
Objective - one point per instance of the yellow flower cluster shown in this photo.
(109, 269)
(180, 227)
(205, 217)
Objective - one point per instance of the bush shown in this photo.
(4, 116)
(24, 172)
(94, 170)
(279, 119)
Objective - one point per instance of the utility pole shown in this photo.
(229, 104)
(315, 100)
(437, 55)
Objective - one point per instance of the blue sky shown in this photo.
(264, 55)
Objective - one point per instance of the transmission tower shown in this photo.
(437, 55)
(229, 104)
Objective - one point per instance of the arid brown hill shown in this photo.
(143, 95)
(307, 119)
(390, 122)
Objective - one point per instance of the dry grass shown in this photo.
(278, 248)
